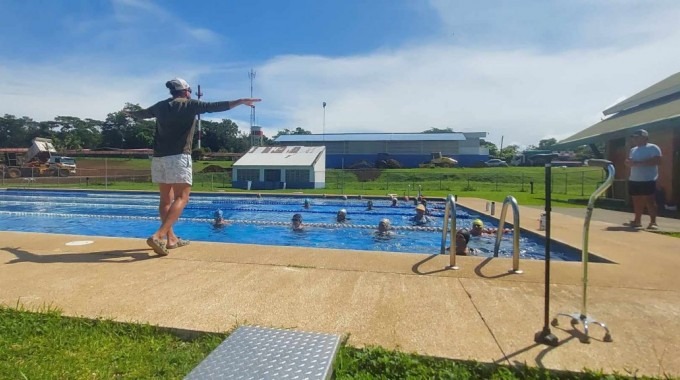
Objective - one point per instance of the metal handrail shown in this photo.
(611, 171)
(509, 200)
(450, 209)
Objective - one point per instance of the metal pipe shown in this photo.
(611, 171)
(509, 200)
(450, 210)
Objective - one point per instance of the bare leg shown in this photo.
(167, 198)
(181, 198)
(639, 202)
(651, 208)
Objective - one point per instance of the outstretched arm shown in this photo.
(141, 114)
(204, 107)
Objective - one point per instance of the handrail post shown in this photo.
(509, 200)
(450, 210)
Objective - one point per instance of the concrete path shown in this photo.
(405, 301)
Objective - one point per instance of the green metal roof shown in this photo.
(659, 112)
(666, 87)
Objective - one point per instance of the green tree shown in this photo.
(297, 131)
(17, 132)
(493, 149)
(439, 130)
(546, 143)
(121, 131)
(508, 152)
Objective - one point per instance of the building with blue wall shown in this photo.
(411, 149)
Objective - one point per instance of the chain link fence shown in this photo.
(402, 182)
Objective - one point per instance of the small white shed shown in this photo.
(281, 167)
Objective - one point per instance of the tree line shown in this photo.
(116, 131)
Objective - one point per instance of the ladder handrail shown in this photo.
(509, 200)
(611, 172)
(450, 209)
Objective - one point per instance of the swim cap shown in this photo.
(420, 207)
(218, 213)
(385, 222)
(478, 222)
(297, 218)
(342, 211)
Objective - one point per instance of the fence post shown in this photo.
(566, 182)
(522, 183)
(496, 180)
(583, 178)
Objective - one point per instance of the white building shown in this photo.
(281, 167)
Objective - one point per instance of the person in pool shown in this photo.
(478, 229)
(394, 202)
(296, 223)
(420, 218)
(369, 205)
(384, 228)
(462, 240)
(341, 217)
(307, 203)
(219, 220)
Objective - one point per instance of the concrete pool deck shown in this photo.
(406, 301)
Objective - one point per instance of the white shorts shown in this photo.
(172, 169)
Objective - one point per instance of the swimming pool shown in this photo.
(254, 221)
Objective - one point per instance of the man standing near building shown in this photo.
(171, 166)
(643, 161)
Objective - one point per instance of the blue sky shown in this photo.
(525, 70)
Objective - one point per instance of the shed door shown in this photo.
(272, 175)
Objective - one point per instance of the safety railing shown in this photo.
(450, 211)
(509, 200)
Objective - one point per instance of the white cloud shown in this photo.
(525, 93)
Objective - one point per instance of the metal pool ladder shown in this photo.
(582, 317)
(450, 209)
(509, 200)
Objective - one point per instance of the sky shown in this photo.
(520, 70)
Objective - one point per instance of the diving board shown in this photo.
(264, 353)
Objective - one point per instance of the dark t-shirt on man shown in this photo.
(175, 123)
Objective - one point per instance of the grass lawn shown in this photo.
(47, 345)
(571, 186)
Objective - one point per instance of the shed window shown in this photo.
(296, 176)
(248, 175)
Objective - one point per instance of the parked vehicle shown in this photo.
(440, 161)
(39, 160)
(495, 162)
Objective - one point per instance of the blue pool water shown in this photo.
(255, 221)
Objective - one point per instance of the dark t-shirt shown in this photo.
(175, 123)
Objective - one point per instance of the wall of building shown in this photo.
(338, 161)
(668, 140)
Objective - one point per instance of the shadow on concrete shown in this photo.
(539, 358)
(624, 228)
(113, 256)
(416, 267)
(478, 270)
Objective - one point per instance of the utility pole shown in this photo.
(324, 121)
(251, 75)
(501, 148)
(199, 94)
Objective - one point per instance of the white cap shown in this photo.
(177, 84)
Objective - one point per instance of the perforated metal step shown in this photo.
(265, 353)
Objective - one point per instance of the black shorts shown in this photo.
(636, 188)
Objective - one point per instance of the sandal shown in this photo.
(632, 224)
(158, 246)
(653, 226)
(180, 243)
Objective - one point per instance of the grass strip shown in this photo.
(47, 345)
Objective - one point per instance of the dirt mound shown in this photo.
(214, 169)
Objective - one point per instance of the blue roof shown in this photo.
(456, 136)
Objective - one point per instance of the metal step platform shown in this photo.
(265, 353)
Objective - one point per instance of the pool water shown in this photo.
(262, 221)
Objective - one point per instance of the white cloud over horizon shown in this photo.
(524, 92)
